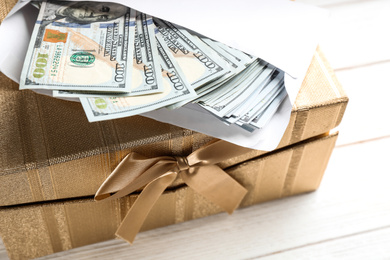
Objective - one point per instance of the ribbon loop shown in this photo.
(154, 175)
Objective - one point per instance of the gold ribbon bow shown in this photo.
(198, 171)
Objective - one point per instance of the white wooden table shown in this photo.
(349, 216)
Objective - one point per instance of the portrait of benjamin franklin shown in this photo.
(83, 12)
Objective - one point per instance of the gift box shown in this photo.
(53, 161)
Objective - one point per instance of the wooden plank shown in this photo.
(368, 245)
(368, 109)
(353, 199)
(356, 32)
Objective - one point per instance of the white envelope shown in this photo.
(282, 32)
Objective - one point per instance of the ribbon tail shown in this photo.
(136, 216)
(215, 185)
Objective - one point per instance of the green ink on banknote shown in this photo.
(82, 58)
(56, 60)
(100, 103)
(40, 63)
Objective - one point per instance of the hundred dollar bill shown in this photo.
(199, 64)
(176, 88)
(238, 65)
(237, 54)
(257, 99)
(260, 95)
(266, 114)
(264, 100)
(235, 68)
(230, 103)
(147, 78)
(203, 90)
(236, 83)
(212, 91)
(81, 46)
(261, 120)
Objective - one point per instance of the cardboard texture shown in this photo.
(39, 229)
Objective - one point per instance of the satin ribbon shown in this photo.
(198, 170)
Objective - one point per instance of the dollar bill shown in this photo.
(258, 96)
(261, 120)
(199, 64)
(240, 56)
(237, 64)
(146, 78)
(80, 46)
(176, 88)
(210, 96)
(235, 68)
(257, 100)
(232, 87)
(265, 116)
(226, 106)
(203, 90)
(256, 110)
(264, 100)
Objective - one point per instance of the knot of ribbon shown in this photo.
(153, 175)
(182, 163)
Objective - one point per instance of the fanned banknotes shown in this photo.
(200, 65)
(145, 77)
(161, 65)
(175, 89)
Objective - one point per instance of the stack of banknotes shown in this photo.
(120, 62)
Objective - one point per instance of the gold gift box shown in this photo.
(39, 229)
(53, 161)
